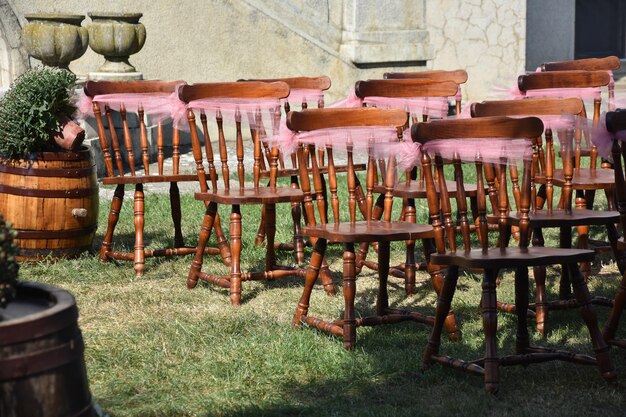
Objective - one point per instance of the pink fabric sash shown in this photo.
(591, 93)
(157, 106)
(232, 109)
(493, 150)
(304, 95)
(603, 139)
(417, 106)
(377, 142)
(162, 106)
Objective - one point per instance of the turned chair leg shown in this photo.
(610, 328)
(409, 265)
(382, 300)
(114, 216)
(444, 300)
(581, 291)
(139, 224)
(349, 292)
(235, 250)
(205, 233)
(521, 307)
(270, 234)
(222, 243)
(584, 200)
(319, 249)
(539, 272)
(490, 324)
(438, 281)
(296, 216)
(179, 241)
(620, 255)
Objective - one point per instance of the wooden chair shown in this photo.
(616, 123)
(411, 188)
(609, 64)
(351, 232)
(553, 215)
(221, 193)
(458, 76)
(492, 259)
(303, 91)
(121, 167)
(586, 181)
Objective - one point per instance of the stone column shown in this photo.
(384, 33)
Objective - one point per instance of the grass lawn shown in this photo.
(155, 348)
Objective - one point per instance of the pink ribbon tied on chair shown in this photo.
(377, 142)
(157, 106)
(603, 139)
(259, 114)
(491, 150)
(436, 107)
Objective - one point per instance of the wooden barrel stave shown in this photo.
(40, 196)
(42, 369)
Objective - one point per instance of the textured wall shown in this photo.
(550, 34)
(220, 40)
(485, 37)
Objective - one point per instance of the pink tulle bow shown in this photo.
(377, 142)
(259, 113)
(351, 101)
(304, 95)
(284, 139)
(417, 106)
(157, 106)
(603, 139)
(493, 150)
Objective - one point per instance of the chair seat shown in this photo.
(558, 218)
(373, 231)
(417, 189)
(513, 257)
(585, 179)
(262, 195)
(149, 179)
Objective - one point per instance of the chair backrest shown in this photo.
(320, 83)
(503, 129)
(544, 161)
(316, 119)
(302, 90)
(406, 88)
(616, 124)
(565, 80)
(458, 76)
(257, 103)
(608, 63)
(132, 96)
(569, 80)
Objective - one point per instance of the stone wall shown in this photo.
(485, 37)
(219, 40)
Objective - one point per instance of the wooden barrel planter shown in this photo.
(52, 202)
(42, 367)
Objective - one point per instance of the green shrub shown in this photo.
(8, 263)
(30, 110)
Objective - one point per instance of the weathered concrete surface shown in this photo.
(485, 37)
(550, 34)
(219, 40)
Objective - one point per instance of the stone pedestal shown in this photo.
(115, 76)
(376, 35)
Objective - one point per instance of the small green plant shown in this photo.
(8, 263)
(32, 108)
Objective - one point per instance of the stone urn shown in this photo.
(55, 39)
(116, 36)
